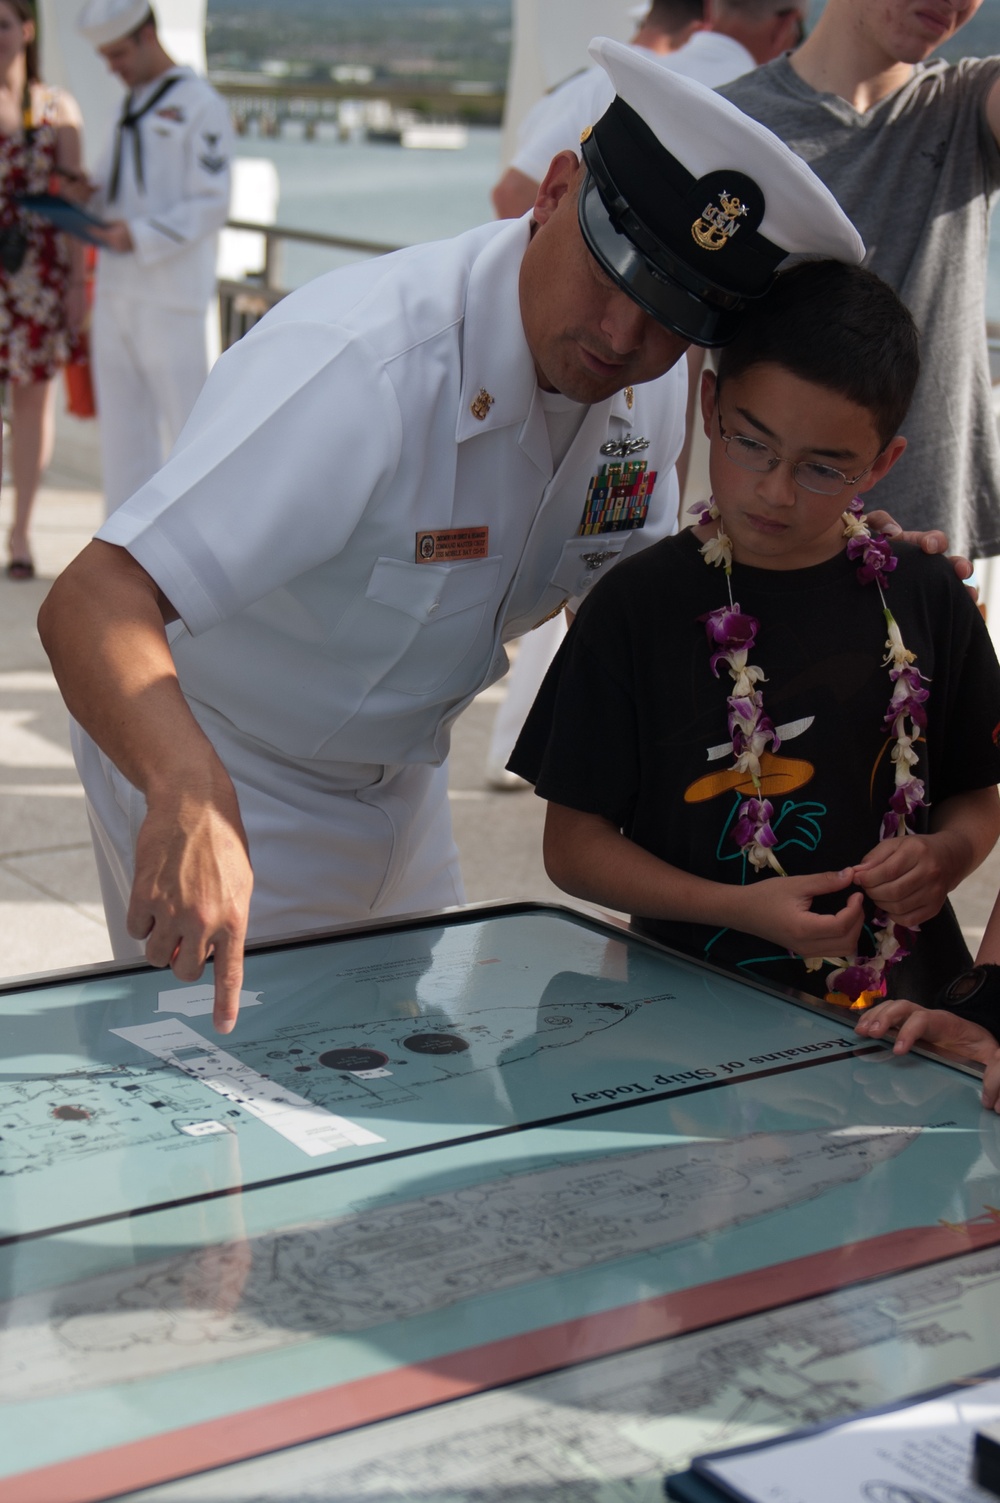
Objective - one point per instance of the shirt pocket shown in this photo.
(438, 613)
(584, 560)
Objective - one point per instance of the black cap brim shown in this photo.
(702, 315)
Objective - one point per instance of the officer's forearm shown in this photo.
(102, 626)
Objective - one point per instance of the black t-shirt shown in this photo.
(630, 724)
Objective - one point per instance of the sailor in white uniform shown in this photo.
(736, 37)
(405, 465)
(162, 184)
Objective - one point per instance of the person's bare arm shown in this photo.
(514, 194)
(989, 945)
(102, 626)
(587, 856)
(69, 172)
(993, 110)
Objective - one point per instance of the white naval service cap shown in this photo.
(105, 21)
(691, 206)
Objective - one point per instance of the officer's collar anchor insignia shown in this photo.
(621, 448)
(719, 222)
(629, 398)
(481, 404)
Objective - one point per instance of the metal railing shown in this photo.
(243, 303)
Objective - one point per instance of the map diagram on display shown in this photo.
(415, 1257)
(607, 1431)
(47, 1120)
(447, 1189)
(364, 1065)
(355, 1067)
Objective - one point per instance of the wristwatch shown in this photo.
(975, 996)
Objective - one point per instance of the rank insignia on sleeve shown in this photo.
(212, 164)
(618, 498)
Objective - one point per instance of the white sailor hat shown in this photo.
(691, 206)
(105, 21)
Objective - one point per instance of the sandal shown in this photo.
(20, 568)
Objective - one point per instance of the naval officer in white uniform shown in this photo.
(406, 464)
(162, 184)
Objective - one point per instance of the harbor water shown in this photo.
(371, 190)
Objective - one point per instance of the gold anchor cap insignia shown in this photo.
(481, 404)
(718, 223)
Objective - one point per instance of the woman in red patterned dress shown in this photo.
(42, 305)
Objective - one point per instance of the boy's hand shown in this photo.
(910, 876)
(781, 910)
(935, 1026)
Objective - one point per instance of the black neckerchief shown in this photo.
(129, 120)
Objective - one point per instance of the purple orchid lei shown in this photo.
(732, 636)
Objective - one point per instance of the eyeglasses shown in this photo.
(821, 479)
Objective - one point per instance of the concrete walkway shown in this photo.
(50, 911)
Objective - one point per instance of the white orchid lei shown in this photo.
(858, 981)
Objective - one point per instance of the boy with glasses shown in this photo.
(763, 738)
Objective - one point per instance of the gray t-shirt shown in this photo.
(917, 174)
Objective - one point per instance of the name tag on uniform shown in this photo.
(451, 544)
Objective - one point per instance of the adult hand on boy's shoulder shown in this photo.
(928, 542)
(910, 878)
(781, 911)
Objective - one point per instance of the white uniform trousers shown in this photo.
(150, 364)
(330, 843)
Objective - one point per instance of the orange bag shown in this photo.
(80, 401)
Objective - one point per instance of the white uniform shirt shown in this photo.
(556, 121)
(283, 527)
(175, 214)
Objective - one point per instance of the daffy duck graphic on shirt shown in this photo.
(796, 823)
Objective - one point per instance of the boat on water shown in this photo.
(407, 128)
(434, 135)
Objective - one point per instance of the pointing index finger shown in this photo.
(228, 982)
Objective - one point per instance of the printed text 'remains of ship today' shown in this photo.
(716, 1072)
